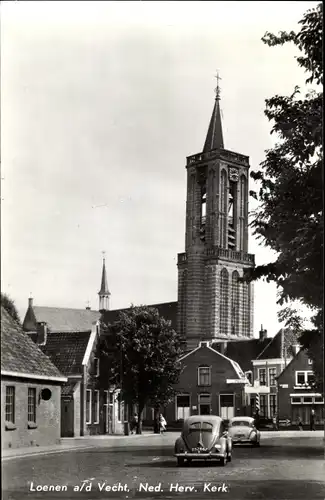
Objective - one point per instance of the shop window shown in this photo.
(182, 406)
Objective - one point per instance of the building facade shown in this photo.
(212, 303)
(30, 390)
(297, 396)
(210, 383)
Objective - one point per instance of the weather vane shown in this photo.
(217, 89)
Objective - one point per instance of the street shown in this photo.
(282, 468)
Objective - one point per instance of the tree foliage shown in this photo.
(9, 305)
(143, 352)
(289, 219)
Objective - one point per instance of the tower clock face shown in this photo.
(233, 174)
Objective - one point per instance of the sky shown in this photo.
(101, 104)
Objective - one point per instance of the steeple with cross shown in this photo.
(104, 293)
(213, 304)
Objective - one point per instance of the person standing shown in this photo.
(299, 423)
(275, 422)
(134, 423)
(312, 420)
(162, 424)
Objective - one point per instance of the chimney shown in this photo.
(30, 302)
(41, 330)
(263, 333)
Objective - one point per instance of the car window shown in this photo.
(241, 423)
(195, 426)
(206, 427)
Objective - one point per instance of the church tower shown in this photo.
(212, 303)
(104, 293)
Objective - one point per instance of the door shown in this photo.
(205, 404)
(67, 417)
(227, 408)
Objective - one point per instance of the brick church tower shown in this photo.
(212, 304)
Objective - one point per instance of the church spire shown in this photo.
(104, 293)
(214, 139)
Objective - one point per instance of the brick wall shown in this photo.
(48, 422)
(221, 371)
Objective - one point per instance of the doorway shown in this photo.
(205, 404)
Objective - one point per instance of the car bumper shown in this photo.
(243, 440)
(203, 456)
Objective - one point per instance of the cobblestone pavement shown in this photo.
(283, 468)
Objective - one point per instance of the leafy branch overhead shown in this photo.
(289, 219)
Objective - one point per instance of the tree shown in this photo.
(289, 219)
(143, 352)
(9, 305)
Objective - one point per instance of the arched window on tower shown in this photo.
(224, 290)
(203, 211)
(231, 214)
(242, 211)
(223, 209)
(235, 296)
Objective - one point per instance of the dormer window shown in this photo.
(204, 376)
(96, 367)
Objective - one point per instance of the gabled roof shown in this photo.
(243, 351)
(19, 354)
(66, 350)
(167, 310)
(60, 319)
(234, 364)
(281, 345)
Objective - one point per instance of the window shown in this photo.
(273, 405)
(262, 376)
(96, 367)
(204, 375)
(96, 407)
(272, 375)
(88, 406)
(10, 404)
(310, 361)
(224, 287)
(263, 405)
(295, 400)
(31, 415)
(105, 401)
(319, 400)
(307, 400)
(304, 378)
(182, 406)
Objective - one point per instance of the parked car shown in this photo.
(243, 430)
(204, 437)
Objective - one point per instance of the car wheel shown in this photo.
(223, 461)
(256, 444)
(180, 461)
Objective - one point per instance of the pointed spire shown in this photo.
(214, 139)
(104, 286)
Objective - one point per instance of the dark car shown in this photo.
(204, 437)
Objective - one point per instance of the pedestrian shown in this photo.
(162, 424)
(134, 423)
(312, 420)
(275, 422)
(257, 419)
(299, 423)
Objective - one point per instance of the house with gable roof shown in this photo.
(30, 390)
(210, 383)
(70, 338)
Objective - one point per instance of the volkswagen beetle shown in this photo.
(204, 437)
(243, 430)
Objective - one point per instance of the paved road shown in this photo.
(282, 469)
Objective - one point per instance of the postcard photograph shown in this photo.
(162, 250)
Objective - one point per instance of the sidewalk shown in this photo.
(81, 443)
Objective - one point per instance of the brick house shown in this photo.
(296, 395)
(262, 361)
(210, 383)
(30, 390)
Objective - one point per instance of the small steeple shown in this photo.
(104, 293)
(214, 139)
